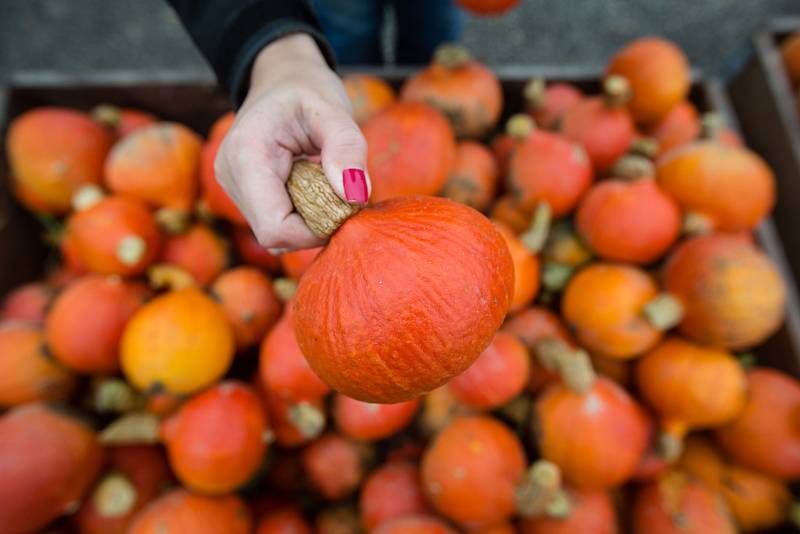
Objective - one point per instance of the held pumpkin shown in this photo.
(547, 104)
(390, 491)
(182, 511)
(371, 422)
(368, 95)
(473, 178)
(247, 297)
(429, 268)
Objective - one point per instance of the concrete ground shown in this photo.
(76, 36)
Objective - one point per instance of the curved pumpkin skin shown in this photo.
(91, 346)
(591, 512)
(117, 235)
(678, 127)
(633, 222)
(691, 386)
(766, 436)
(286, 520)
(180, 341)
(731, 187)
(47, 462)
(247, 297)
(617, 329)
(732, 294)
(678, 504)
(790, 52)
(658, 73)
(52, 153)
(391, 491)
(332, 464)
(556, 100)
(526, 269)
(199, 251)
(368, 95)
(27, 373)
(252, 253)
(431, 268)
(471, 469)
(467, 92)
(181, 511)
(211, 193)
(216, 441)
(411, 151)
(473, 178)
(414, 524)
(498, 375)
(597, 438)
(757, 501)
(297, 262)
(371, 422)
(28, 302)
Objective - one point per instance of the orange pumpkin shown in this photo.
(757, 501)
(467, 92)
(368, 95)
(473, 178)
(690, 386)
(732, 294)
(658, 73)
(27, 372)
(52, 153)
(411, 150)
(181, 511)
(252, 253)
(199, 251)
(115, 235)
(217, 440)
(285, 520)
(498, 375)
(180, 341)
(49, 460)
(414, 524)
(678, 127)
(790, 52)
(547, 104)
(765, 436)
(448, 295)
(91, 346)
(471, 469)
(247, 297)
(618, 328)
(213, 197)
(371, 422)
(294, 423)
(297, 262)
(27, 302)
(517, 128)
(526, 269)
(678, 504)
(135, 475)
(509, 212)
(487, 7)
(500, 528)
(391, 491)
(157, 164)
(333, 465)
(122, 121)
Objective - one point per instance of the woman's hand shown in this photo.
(296, 106)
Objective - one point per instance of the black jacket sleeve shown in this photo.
(230, 33)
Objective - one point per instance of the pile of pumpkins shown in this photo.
(790, 52)
(566, 346)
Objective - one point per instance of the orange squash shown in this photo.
(52, 153)
(252, 253)
(115, 235)
(27, 372)
(28, 302)
(790, 52)
(199, 251)
(157, 164)
(368, 95)
(732, 294)
(498, 375)
(487, 7)
(182, 511)
(91, 346)
(213, 197)
(393, 490)
(333, 465)
(766, 435)
(618, 328)
(547, 104)
(658, 73)
(678, 127)
(509, 212)
(47, 462)
(297, 262)
(467, 92)
(371, 422)
(678, 504)
(517, 128)
(217, 440)
(690, 386)
(295, 423)
(180, 342)
(415, 524)
(471, 469)
(411, 151)
(526, 269)
(285, 520)
(473, 178)
(247, 297)
(122, 121)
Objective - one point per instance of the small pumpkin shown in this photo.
(334, 466)
(371, 422)
(200, 251)
(517, 128)
(678, 127)
(368, 95)
(122, 121)
(526, 269)
(247, 297)
(212, 196)
(297, 262)
(473, 178)
(790, 52)
(182, 511)
(252, 253)
(28, 302)
(393, 490)
(285, 520)
(547, 103)
(487, 7)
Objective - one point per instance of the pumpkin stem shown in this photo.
(166, 276)
(534, 93)
(574, 366)
(555, 275)
(308, 419)
(663, 312)
(646, 147)
(451, 56)
(747, 360)
(711, 125)
(202, 212)
(86, 197)
(131, 249)
(517, 410)
(565, 246)
(114, 496)
(284, 288)
(137, 428)
(519, 126)
(541, 493)
(632, 167)
(114, 395)
(616, 90)
(535, 236)
(315, 200)
(669, 447)
(172, 221)
(106, 115)
(695, 224)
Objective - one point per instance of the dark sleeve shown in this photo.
(230, 33)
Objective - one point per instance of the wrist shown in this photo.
(291, 50)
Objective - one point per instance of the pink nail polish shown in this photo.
(355, 185)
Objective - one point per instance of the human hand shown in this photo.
(296, 106)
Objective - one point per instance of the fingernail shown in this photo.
(355, 185)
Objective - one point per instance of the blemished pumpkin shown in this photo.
(182, 511)
(411, 150)
(547, 103)
(199, 251)
(246, 295)
(415, 524)
(526, 269)
(213, 197)
(390, 491)
(466, 92)
(487, 7)
(368, 95)
(284, 520)
(122, 121)
(448, 294)
(334, 466)
(28, 302)
(371, 422)
(473, 178)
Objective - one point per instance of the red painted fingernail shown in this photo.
(355, 185)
